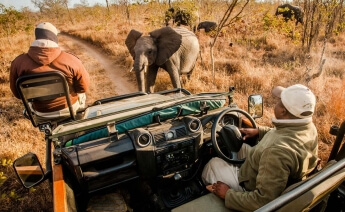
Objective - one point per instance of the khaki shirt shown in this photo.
(285, 154)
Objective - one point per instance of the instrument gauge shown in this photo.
(170, 135)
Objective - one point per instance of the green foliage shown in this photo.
(13, 194)
(3, 178)
(182, 13)
(340, 28)
(32, 190)
(29, 28)
(6, 162)
(9, 17)
(268, 20)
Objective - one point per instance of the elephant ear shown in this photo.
(131, 40)
(168, 41)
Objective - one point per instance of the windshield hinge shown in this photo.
(112, 132)
(157, 118)
(203, 108)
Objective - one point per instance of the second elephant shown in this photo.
(289, 11)
(207, 26)
(173, 49)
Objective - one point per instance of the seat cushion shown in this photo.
(206, 203)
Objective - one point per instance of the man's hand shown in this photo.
(220, 189)
(249, 132)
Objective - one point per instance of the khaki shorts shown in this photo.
(219, 170)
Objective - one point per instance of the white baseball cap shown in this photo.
(297, 99)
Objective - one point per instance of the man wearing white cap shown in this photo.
(45, 55)
(284, 155)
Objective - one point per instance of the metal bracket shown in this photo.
(203, 108)
(231, 90)
(157, 118)
(112, 131)
(57, 153)
(57, 156)
(46, 128)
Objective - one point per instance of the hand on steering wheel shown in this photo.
(230, 135)
(249, 132)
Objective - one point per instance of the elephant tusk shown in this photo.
(145, 69)
(131, 69)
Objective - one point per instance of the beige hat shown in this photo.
(46, 31)
(297, 99)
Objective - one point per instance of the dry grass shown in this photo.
(258, 60)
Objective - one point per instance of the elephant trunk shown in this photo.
(140, 69)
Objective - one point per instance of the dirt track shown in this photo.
(115, 72)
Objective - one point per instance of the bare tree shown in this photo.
(331, 12)
(69, 13)
(126, 3)
(226, 21)
(321, 14)
(39, 4)
(53, 6)
(107, 6)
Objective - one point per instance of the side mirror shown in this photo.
(255, 105)
(29, 170)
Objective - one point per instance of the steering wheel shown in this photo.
(230, 135)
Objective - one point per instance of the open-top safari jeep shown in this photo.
(146, 152)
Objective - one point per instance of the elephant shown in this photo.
(207, 26)
(172, 49)
(288, 11)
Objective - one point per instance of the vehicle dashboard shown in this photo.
(158, 150)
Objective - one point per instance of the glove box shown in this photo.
(101, 163)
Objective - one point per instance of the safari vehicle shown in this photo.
(150, 150)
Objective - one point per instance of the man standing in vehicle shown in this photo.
(45, 55)
(285, 154)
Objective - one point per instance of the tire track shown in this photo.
(114, 71)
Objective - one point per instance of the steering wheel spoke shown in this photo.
(218, 127)
(229, 135)
(234, 155)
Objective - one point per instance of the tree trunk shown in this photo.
(69, 14)
(212, 62)
(107, 6)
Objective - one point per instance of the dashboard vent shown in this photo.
(159, 138)
(144, 140)
(180, 132)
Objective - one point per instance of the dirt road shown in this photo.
(114, 72)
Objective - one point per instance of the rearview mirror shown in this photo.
(255, 105)
(28, 170)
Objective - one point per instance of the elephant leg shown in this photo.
(174, 74)
(151, 78)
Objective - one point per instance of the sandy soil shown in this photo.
(122, 84)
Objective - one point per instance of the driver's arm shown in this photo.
(262, 131)
(253, 132)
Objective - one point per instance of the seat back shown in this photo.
(317, 194)
(43, 87)
(307, 194)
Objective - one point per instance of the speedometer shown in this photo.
(227, 119)
(170, 135)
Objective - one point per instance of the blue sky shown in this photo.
(18, 4)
